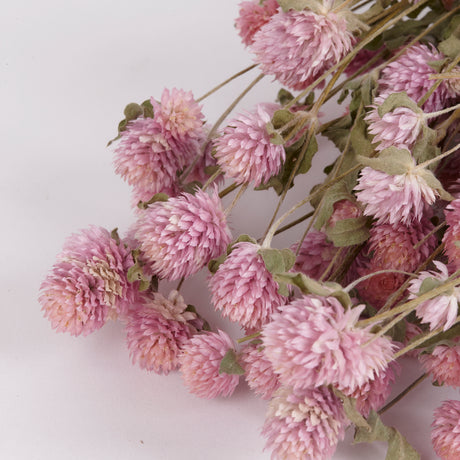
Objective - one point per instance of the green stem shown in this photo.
(439, 157)
(228, 190)
(294, 223)
(212, 179)
(249, 337)
(235, 200)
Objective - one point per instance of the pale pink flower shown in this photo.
(451, 237)
(441, 311)
(443, 364)
(243, 289)
(445, 434)
(411, 72)
(399, 128)
(313, 342)
(315, 255)
(244, 151)
(401, 198)
(88, 283)
(298, 46)
(156, 331)
(200, 362)
(305, 424)
(180, 236)
(259, 371)
(252, 16)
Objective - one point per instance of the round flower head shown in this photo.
(88, 283)
(411, 73)
(401, 198)
(157, 330)
(452, 233)
(315, 255)
(259, 371)
(179, 236)
(253, 15)
(313, 342)
(399, 128)
(200, 362)
(343, 210)
(298, 46)
(445, 434)
(243, 289)
(244, 151)
(304, 424)
(443, 364)
(441, 311)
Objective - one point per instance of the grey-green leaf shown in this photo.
(230, 365)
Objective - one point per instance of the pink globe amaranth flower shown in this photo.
(243, 289)
(445, 434)
(305, 424)
(315, 255)
(411, 73)
(180, 236)
(152, 150)
(443, 364)
(200, 362)
(451, 237)
(441, 311)
(298, 46)
(313, 342)
(343, 210)
(401, 198)
(244, 151)
(252, 16)
(156, 331)
(88, 283)
(399, 128)
(259, 371)
(374, 393)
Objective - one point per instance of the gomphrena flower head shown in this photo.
(393, 199)
(156, 331)
(253, 14)
(440, 311)
(259, 371)
(443, 364)
(399, 128)
(445, 434)
(452, 234)
(315, 254)
(411, 73)
(343, 210)
(200, 362)
(88, 283)
(152, 150)
(298, 46)
(304, 424)
(314, 342)
(179, 236)
(243, 289)
(244, 151)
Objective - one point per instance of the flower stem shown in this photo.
(439, 157)
(294, 223)
(441, 112)
(249, 337)
(212, 179)
(235, 200)
(228, 190)
(370, 275)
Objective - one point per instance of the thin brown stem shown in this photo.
(294, 223)
(235, 200)
(228, 190)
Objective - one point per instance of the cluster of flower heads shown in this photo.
(300, 350)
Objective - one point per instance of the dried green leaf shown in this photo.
(147, 109)
(396, 100)
(392, 161)
(349, 406)
(154, 199)
(451, 333)
(451, 46)
(361, 140)
(284, 96)
(289, 258)
(230, 365)
(115, 236)
(435, 184)
(349, 232)
(298, 5)
(214, 264)
(428, 284)
(275, 260)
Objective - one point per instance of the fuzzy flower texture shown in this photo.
(445, 435)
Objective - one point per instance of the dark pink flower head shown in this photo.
(443, 364)
(304, 424)
(314, 342)
(452, 235)
(88, 283)
(343, 210)
(253, 15)
(244, 151)
(362, 58)
(315, 255)
(411, 73)
(200, 362)
(445, 434)
(180, 236)
(259, 371)
(298, 46)
(243, 289)
(440, 311)
(399, 128)
(157, 330)
(394, 199)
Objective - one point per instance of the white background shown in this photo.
(67, 69)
